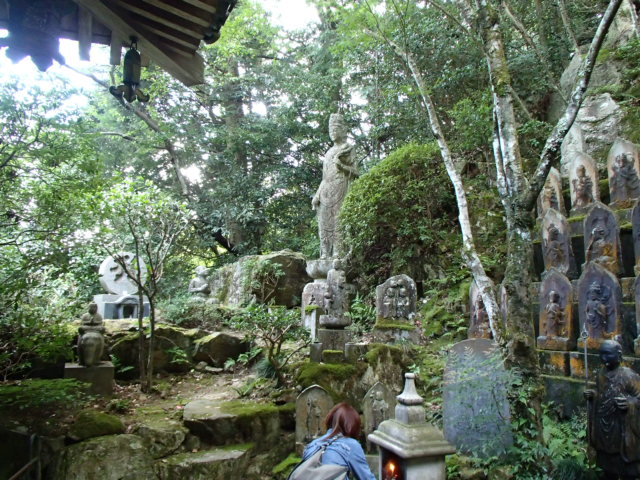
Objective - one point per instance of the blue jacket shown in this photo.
(345, 451)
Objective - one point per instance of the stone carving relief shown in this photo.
(601, 238)
(556, 313)
(378, 405)
(113, 277)
(600, 305)
(312, 406)
(337, 300)
(623, 169)
(583, 183)
(479, 326)
(556, 246)
(551, 194)
(339, 169)
(396, 298)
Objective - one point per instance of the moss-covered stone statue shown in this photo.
(339, 169)
(90, 341)
(614, 416)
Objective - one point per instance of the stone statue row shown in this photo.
(623, 169)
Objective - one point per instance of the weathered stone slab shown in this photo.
(313, 302)
(162, 437)
(112, 457)
(99, 377)
(396, 298)
(476, 411)
(312, 406)
(216, 348)
(583, 182)
(217, 464)
(121, 307)
(378, 405)
(337, 300)
(554, 363)
(636, 341)
(479, 322)
(623, 167)
(556, 313)
(114, 278)
(602, 238)
(635, 225)
(333, 339)
(556, 242)
(551, 194)
(599, 306)
(92, 423)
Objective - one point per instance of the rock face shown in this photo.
(162, 437)
(216, 348)
(254, 277)
(90, 423)
(219, 464)
(112, 457)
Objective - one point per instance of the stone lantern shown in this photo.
(410, 448)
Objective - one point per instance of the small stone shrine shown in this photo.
(602, 238)
(623, 168)
(312, 406)
(90, 367)
(476, 410)
(121, 300)
(479, 324)
(395, 308)
(551, 194)
(556, 242)
(410, 448)
(199, 286)
(378, 405)
(583, 183)
(556, 313)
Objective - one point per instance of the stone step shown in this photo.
(236, 422)
(216, 464)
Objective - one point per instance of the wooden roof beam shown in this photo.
(85, 32)
(189, 71)
(169, 20)
(180, 10)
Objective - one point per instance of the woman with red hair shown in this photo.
(342, 447)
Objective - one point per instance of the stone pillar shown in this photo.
(410, 448)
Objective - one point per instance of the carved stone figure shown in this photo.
(556, 311)
(583, 182)
(337, 300)
(339, 169)
(614, 416)
(601, 237)
(396, 298)
(312, 405)
(600, 305)
(556, 245)
(199, 286)
(583, 187)
(480, 327)
(551, 194)
(90, 340)
(624, 183)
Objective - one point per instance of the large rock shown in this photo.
(254, 278)
(163, 437)
(216, 348)
(234, 422)
(219, 464)
(91, 423)
(112, 457)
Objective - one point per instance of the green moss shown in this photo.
(626, 226)
(248, 409)
(393, 324)
(577, 218)
(239, 446)
(380, 351)
(317, 372)
(284, 467)
(91, 423)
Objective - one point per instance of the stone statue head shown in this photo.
(581, 171)
(202, 271)
(554, 297)
(93, 308)
(611, 353)
(337, 128)
(594, 291)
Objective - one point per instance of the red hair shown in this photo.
(344, 419)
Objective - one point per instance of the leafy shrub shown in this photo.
(399, 215)
(39, 393)
(184, 311)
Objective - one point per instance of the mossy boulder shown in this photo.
(162, 436)
(278, 277)
(91, 423)
(111, 457)
(217, 347)
(217, 464)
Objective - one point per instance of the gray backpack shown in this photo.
(313, 469)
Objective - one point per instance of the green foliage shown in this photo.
(362, 314)
(273, 326)
(183, 311)
(40, 393)
(262, 278)
(397, 215)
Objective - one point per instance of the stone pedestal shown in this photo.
(100, 376)
(333, 339)
(117, 306)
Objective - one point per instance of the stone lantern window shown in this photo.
(410, 448)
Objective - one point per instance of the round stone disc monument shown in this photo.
(113, 277)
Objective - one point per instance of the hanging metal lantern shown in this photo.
(130, 77)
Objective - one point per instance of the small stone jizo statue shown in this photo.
(199, 286)
(339, 169)
(91, 340)
(614, 416)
